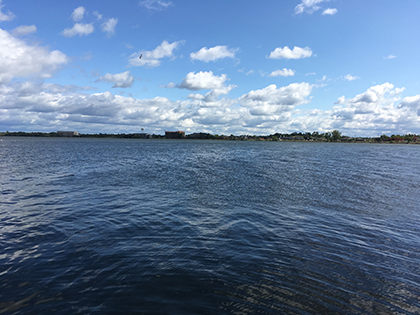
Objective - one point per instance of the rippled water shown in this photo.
(104, 226)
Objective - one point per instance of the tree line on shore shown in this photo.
(334, 136)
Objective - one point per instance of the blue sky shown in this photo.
(241, 67)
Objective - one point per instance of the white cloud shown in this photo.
(202, 81)
(390, 57)
(273, 100)
(309, 6)
(272, 109)
(210, 99)
(78, 29)
(329, 11)
(24, 30)
(157, 5)
(206, 81)
(287, 53)
(109, 26)
(120, 80)
(78, 14)
(103, 112)
(211, 54)
(349, 77)
(5, 17)
(412, 102)
(396, 91)
(340, 100)
(284, 73)
(373, 95)
(153, 58)
(246, 73)
(98, 15)
(170, 85)
(18, 59)
(374, 110)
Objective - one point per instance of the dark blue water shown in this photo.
(102, 226)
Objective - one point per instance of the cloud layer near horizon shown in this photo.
(272, 109)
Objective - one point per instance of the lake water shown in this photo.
(107, 226)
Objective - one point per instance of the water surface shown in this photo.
(104, 226)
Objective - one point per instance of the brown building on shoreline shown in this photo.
(68, 133)
(174, 134)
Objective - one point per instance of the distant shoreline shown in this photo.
(294, 137)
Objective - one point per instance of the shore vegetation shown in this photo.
(334, 136)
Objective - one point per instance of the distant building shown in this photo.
(200, 135)
(142, 135)
(174, 134)
(346, 139)
(68, 133)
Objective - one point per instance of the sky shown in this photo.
(251, 67)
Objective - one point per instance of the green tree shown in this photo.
(328, 136)
(336, 135)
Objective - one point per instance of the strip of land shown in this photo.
(334, 136)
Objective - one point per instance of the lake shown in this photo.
(106, 226)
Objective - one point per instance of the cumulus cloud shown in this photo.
(210, 98)
(5, 17)
(109, 26)
(206, 81)
(202, 81)
(153, 58)
(411, 102)
(30, 88)
(329, 11)
(308, 6)
(284, 73)
(78, 14)
(157, 5)
(271, 109)
(79, 29)
(373, 111)
(340, 100)
(373, 96)
(24, 30)
(106, 112)
(211, 54)
(272, 100)
(18, 59)
(287, 53)
(120, 80)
